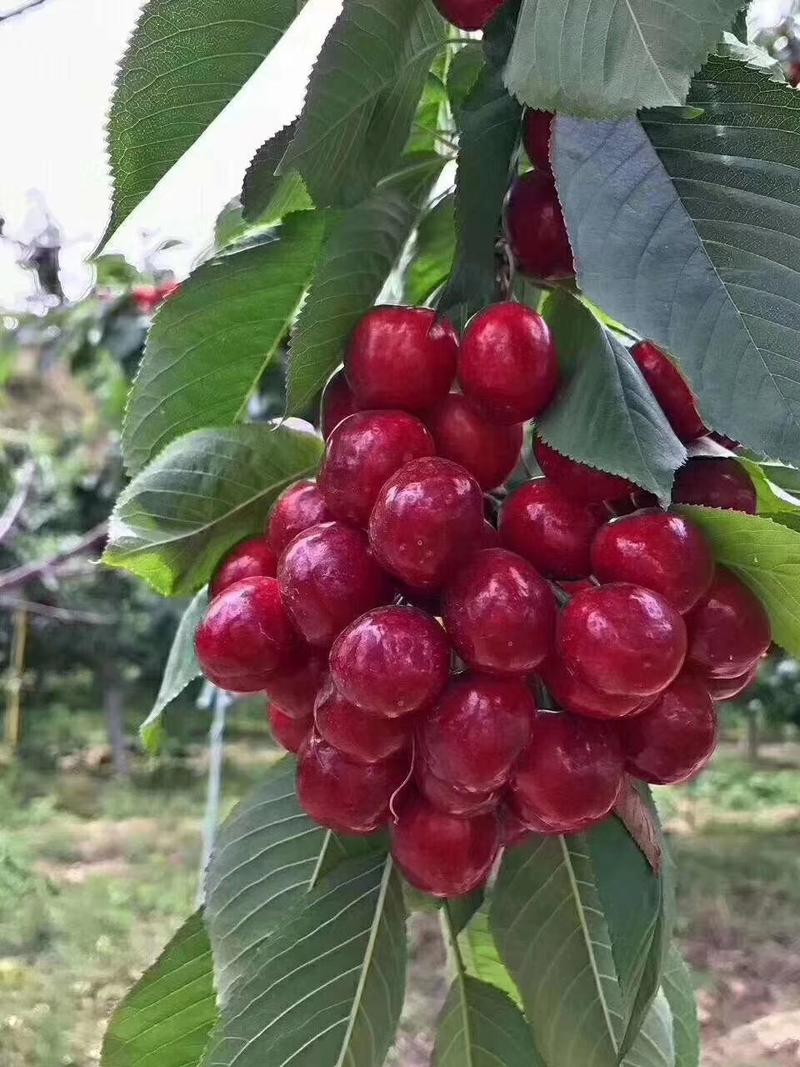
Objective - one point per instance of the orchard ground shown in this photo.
(96, 874)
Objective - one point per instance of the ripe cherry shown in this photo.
(290, 732)
(500, 613)
(621, 638)
(329, 577)
(715, 482)
(508, 366)
(674, 737)
(721, 689)
(337, 403)
(536, 230)
(488, 451)
(573, 694)
(445, 855)
(468, 14)
(671, 390)
(579, 480)
(513, 830)
(729, 630)
(391, 661)
(488, 537)
(294, 687)
(551, 530)
(360, 735)
(477, 730)
(427, 517)
(298, 508)
(665, 553)
(250, 559)
(537, 128)
(449, 798)
(362, 452)
(401, 357)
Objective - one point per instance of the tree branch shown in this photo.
(91, 618)
(21, 9)
(13, 508)
(48, 568)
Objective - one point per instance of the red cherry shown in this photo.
(621, 638)
(573, 694)
(536, 230)
(508, 366)
(298, 508)
(579, 480)
(362, 452)
(250, 559)
(674, 737)
(401, 357)
(449, 798)
(671, 390)
(665, 553)
(729, 630)
(721, 689)
(477, 730)
(551, 530)
(246, 636)
(488, 451)
(445, 855)
(513, 831)
(294, 687)
(426, 519)
(336, 403)
(488, 537)
(468, 14)
(391, 661)
(347, 797)
(570, 775)
(537, 127)
(360, 735)
(500, 613)
(715, 482)
(329, 577)
(289, 731)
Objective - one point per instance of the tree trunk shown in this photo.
(114, 706)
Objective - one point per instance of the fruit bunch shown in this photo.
(466, 679)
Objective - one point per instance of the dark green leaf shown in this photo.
(267, 194)
(654, 1046)
(480, 1027)
(461, 910)
(428, 118)
(433, 253)
(677, 984)
(754, 54)
(465, 68)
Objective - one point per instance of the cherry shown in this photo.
(550, 530)
(535, 226)
(427, 517)
(246, 636)
(360, 735)
(573, 694)
(477, 730)
(250, 559)
(579, 480)
(508, 366)
(345, 796)
(570, 775)
(665, 553)
(621, 638)
(674, 737)
(500, 613)
(715, 482)
(362, 452)
(488, 537)
(336, 403)
(513, 830)
(449, 798)
(720, 689)
(468, 14)
(401, 357)
(488, 451)
(391, 661)
(671, 390)
(294, 687)
(329, 577)
(729, 630)
(445, 855)
(537, 128)
(298, 508)
(289, 731)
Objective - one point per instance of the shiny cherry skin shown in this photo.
(246, 636)
(444, 855)
(671, 390)
(391, 661)
(513, 831)
(476, 731)
(300, 507)
(250, 559)
(729, 630)
(579, 480)
(360, 735)
(573, 694)
(500, 613)
(665, 553)
(449, 798)
(345, 796)
(570, 775)
(721, 689)
(550, 530)
(336, 403)
(508, 365)
(489, 452)
(536, 230)
(294, 687)
(426, 519)
(468, 14)
(329, 577)
(401, 357)
(674, 737)
(363, 451)
(621, 638)
(290, 732)
(715, 482)
(537, 128)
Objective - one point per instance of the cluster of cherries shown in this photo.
(462, 679)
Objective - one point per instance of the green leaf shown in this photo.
(434, 249)
(267, 195)
(602, 59)
(605, 414)
(167, 1017)
(785, 478)
(654, 1046)
(480, 1027)
(202, 494)
(679, 991)
(481, 959)
(688, 231)
(185, 62)
(753, 54)
(465, 68)
(770, 498)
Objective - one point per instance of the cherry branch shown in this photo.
(49, 568)
(49, 611)
(21, 9)
(13, 509)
